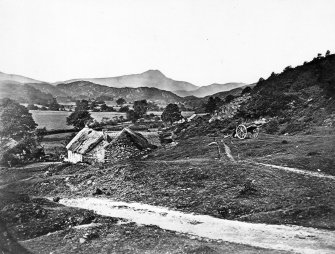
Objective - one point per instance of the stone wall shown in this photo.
(97, 154)
(121, 151)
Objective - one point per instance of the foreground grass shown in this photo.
(188, 177)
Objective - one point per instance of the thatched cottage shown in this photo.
(100, 146)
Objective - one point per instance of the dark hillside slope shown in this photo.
(304, 95)
(89, 90)
(24, 93)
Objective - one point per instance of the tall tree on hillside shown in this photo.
(140, 108)
(210, 106)
(15, 120)
(171, 113)
(229, 98)
(79, 118)
(120, 101)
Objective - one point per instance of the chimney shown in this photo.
(104, 134)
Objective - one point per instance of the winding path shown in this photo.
(278, 237)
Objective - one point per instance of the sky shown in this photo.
(199, 41)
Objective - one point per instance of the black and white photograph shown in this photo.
(167, 126)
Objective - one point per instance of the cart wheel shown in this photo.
(255, 133)
(241, 131)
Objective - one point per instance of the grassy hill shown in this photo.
(296, 98)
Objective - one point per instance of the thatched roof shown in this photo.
(152, 137)
(85, 141)
(131, 138)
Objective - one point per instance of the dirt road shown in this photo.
(276, 237)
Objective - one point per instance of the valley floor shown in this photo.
(191, 178)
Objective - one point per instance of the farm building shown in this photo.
(101, 146)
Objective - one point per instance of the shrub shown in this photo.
(246, 90)
(294, 127)
(271, 127)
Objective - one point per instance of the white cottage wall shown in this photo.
(74, 157)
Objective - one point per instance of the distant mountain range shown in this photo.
(150, 78)
(8, 78)
(210, 89)
(151, 85)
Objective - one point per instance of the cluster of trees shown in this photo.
(94, 105)
(80, 117)
(16, 123)
(171, 113)
(140, 109)
(215, 103)
(51, 105)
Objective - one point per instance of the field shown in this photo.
(56, 120)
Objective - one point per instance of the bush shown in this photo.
(246, 90)
(294, 127)
(271, 127)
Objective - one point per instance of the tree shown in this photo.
(140, 108)
(229, 98)
(82, 105)
(120, 101)
(288, 68)
(273, 74)
(210, 106)
(246, 90)
(79, 118)
(104, 107)
(171, 113)
(131, 116)
(54, 105)
(94, 104)
(15, 120)
(327, 53)
(124, 109)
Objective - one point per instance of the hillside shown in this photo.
(4, 78)
(302, 96)
(151, 85)
(24, 93)
(150, 78)
(87, 90)
(210, 89)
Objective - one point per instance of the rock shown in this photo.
(89, 181)
(97, 192)
(47, 173)
(56, 199)
(223, 211)
(90, 235)
(248, 187)
(82, 240)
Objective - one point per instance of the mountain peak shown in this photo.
(154, 73)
